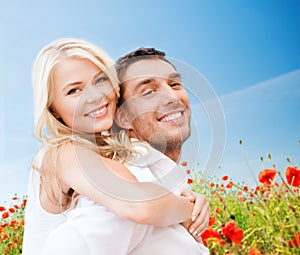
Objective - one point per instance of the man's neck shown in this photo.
(174, 155)
(173, 152)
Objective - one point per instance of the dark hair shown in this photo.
(134, 56)
(139, 54)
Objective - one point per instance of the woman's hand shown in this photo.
(200, 215)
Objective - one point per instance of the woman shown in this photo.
(72, 110)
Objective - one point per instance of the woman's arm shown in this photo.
(200, 214)
(86, 172)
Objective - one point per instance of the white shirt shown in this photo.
(149, 239)
(92, 229)
(38, 222)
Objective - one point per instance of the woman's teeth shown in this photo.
(95, 113)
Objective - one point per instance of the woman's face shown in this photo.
(83, 96)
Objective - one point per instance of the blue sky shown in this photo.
(247, 50)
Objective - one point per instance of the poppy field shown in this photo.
(12, 226)
(244, 220)
(257, 220)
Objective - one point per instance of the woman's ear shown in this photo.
(54, 113)
(122, 118)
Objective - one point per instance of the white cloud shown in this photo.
(265, 116)
(279, 91)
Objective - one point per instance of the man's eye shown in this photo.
(148, 92)
(175, 84)
(73, 91)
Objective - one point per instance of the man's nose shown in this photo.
(169, 95)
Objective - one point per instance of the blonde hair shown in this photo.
(47, 128)
(50, 130)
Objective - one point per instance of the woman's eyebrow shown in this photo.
(71, 84)
(97, 77)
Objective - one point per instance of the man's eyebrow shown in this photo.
(144, 82)
(174, 75)
(148, 80)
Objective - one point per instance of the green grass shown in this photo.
(244, 220)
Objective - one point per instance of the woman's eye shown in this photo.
(73, 91)
(101, 80)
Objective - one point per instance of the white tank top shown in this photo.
(38, 222)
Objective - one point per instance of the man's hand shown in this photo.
(200, 215)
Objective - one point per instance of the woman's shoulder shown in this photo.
(118, 168)
(66, 148)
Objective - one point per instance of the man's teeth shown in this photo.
(171, 117)
(97, 112)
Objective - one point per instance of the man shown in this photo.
(154, 107)
(165, 106)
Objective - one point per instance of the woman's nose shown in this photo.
(92, 94)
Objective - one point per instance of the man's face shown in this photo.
(156, 104)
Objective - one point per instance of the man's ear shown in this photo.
(122, 118)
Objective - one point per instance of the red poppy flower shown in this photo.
(217, 210)
(254, 251)
(4, 237)
(225, 178)
(5, 215)
(211, 184)
(2, 208)
(229, 185)
(212, 221)
(232, 232)
(292, 176)
(296, 241)
(212, 235)
(189, 181)
(239, 193)
(184, 163)
(267, 176)
(13, 223)
(23, 205)
(11, 210)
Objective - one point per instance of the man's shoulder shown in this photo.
(146, 155)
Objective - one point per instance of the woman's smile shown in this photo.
(100, 112)
(87, 107)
